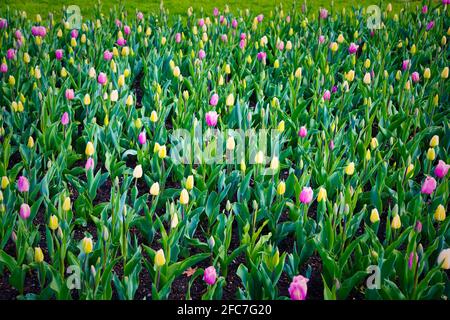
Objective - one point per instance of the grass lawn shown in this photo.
(180, 7)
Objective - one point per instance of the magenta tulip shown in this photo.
(65, 118)
(142, 138)
(214, 99)
(298, 288)
(201, 54)
(74, 34)
(59, 54)
(303, 132)
(306, 195)
(3, 23)
(405, 65)
(102, 79)
(441, 169)
(211, 118)
(326, 95)
(210, 275)
(415, 77)
(10, 54)
(107, 55)
(3, 68)
(89, 164)
(323, 13)
(353, 48)
(178, 37)
(127, 30)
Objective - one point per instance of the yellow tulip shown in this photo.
(444, 73)
(5, 182)
(322, 195)
(334, 46)
(153, 116)
(431, 154)
(66, 205)
(427, 73)
(439, 214)
(367, 78)
(87, 99)
(162, 152)
(409, 169)
(350, 169)
(89, 151)
(243, 166)
(374, 216)
(396, 222)
(231, 143)
(156, 147)
(374, 143)
(230, 100)
(87, 245)
(38, 255)
(298, 73)
(53, 224)
(368, 155)
(280, 127)
(176, 72)
(30, 143)
(160, 259)
(190, 182)
(174, 221)
(184, 197)
(444, 259)
(121, 81)
(434, 142)
(281, 188)
(259, 157)
(276, 64)
(129, 101)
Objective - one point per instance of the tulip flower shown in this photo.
(444, 259)
(190, 182)
(153, 116)
(306, 195)
(184, 197)
(53, 224)
(413, 256)
(5, 182)
(65, 119)
(160, 259)
(298, 288)
(87, 245)
(374, 216)
(59, 54)
(415, 77)
(66, 205)
(174, 221)
(38, 255)
(142, 138)
(439, 214)
(89, 151)
(102, 79)
(303, 132)
(201, 54)
(22, 184)
(441, 169)
(326, 95)
(162, 152)
(24, 211)
(323, 13)
(211, 118)
(350, 169)
(70, 94)
(230, 100)
(434, 142)
(209, 276)
(428, 185)
(137, 172)
(154, 189)
(322, 195)
(214, 99)
(281, 188)
(396, 222)
(89, 164)
(353, 48)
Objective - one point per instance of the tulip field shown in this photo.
(299, 154)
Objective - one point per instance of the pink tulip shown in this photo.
(306, 195)
(303, 132)
(210, 275)
(418, 226)
(234, 23)
(224, 38)
(178, 37)
(22, 184)
(215, 12)
(140, 15)
(59, 54)
(35, 31)
(425, 9)
(326, 95)
(65, 119)
(260, 17)
(321, 39)
(201, 54)
(411, 259)
(211, 118)
(142, 138)
(24, 211)
(10, 54)
(353, 48)
(70, 94)
(127, 30)
(242, 44)
(42, 31)
(107, 55)
(331, 145)
(102, 79)
(288, 19)
(405, 65)
(323, 13)
(415, 77)
(74, 34)
(429, 185)
(214, 99)
(121, 41)
(242, 36)
(298, 288)
(261, 56)
(280, 45)
(3, 68)
(89, 164)
(201, 22)
(430, 25)
(118, 23)
(441, 169)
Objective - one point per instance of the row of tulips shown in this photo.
(91, 195)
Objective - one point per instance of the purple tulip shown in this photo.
(424, 9)
(3, 23)
(211, 118)
(242, 44)
(353, 48)
(306, 195)
(65, 119)
(260, 17)
(210, 275)
(261, 56)
(430, 25)
(74, 34)
(22, 184)
(214, 99)
(24, 211)
(59, 54)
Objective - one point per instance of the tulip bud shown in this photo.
(38, 255)
(66, 205)
(374, 216)
(154, 189)
(190, 182)
(87, 245)
(160, 259)
(439, 214)
(184, 197)
(281, 188)
(53, 224)
(396, 222)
